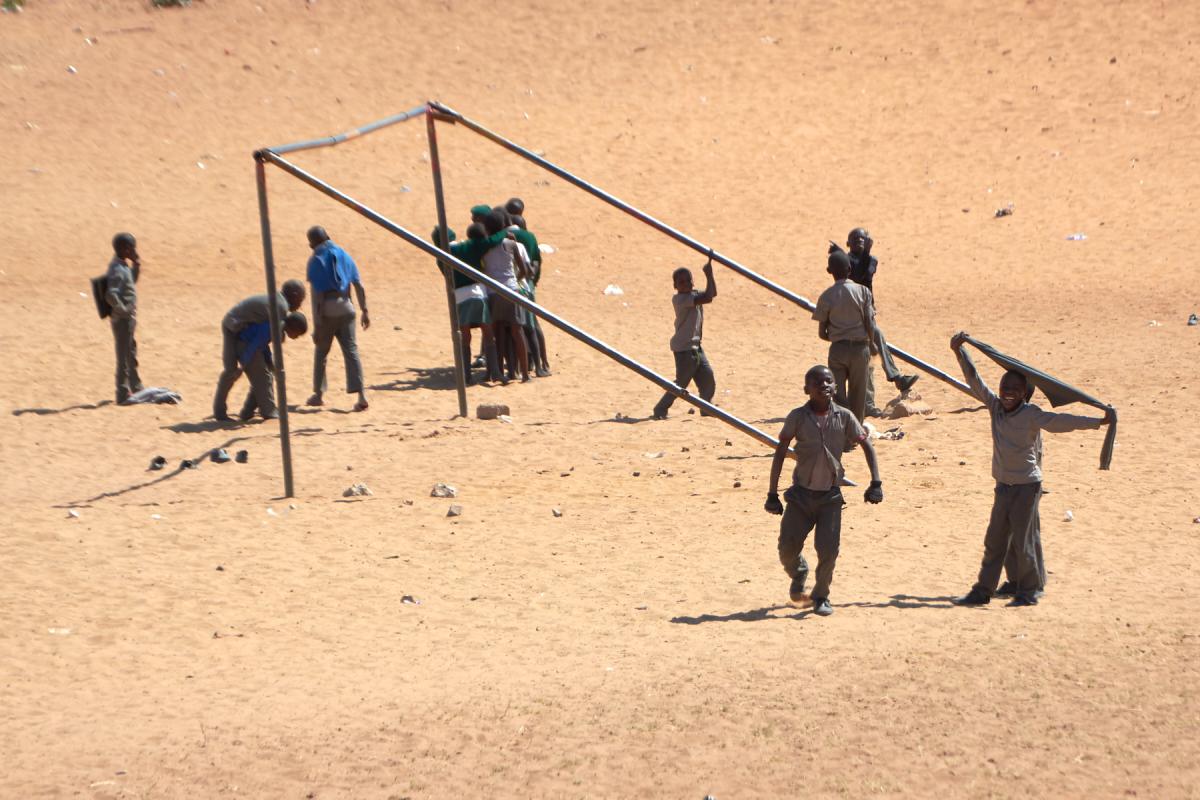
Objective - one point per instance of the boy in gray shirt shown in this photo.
(822, 430)
(690, 361)
(121, 296)
(1016, 466)
(845, 313)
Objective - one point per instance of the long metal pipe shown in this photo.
(516, 297)
(460, 364)
(285, 439)
(446, 113)
(362, 130)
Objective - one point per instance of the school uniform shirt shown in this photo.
(254, 338)
(252, 310)
(122, 289)
(530, 243)
(862, 269)
(471, 253)
(1016, 435)
(689, 322)
(331, 269)
(819, 441)
(844, 306)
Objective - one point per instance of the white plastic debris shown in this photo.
(1155, 324)
(156, 516)
(613, 290)
(271, 512)
(659, 454)
(58, 631)
(72, 513)
(547, 248)
(1067, 517)
(71, 69)
(1077, 237)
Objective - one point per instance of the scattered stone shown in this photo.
(187, 463)
(1196, 520)
(659, 454)
(157, 463)
(685, 449)
(556, 512)
(962, 463)
(737, 484)
(408, 502)
(728, 443)
(491, 410)
(454, 511)
(358, 490)
(409, 600)
(910, 406)
(564, 474)
(397, 328)
(637, 474)
(443, 490)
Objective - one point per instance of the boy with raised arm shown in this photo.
(822, 430)
(690, 361)
(1016, 466)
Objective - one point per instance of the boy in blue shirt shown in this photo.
(331, 273)
(254, 356)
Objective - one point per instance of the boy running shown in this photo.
(823, 430)
(1016, 466)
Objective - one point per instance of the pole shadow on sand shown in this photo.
(769, 612)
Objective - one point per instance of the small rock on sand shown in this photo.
(454, 511)
(491, 410)
(443, 490)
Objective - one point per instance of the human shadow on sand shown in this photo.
(757, 615)
(41, 412)
(436, 378)
(908, 601)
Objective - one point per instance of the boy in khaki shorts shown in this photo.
(822, 430)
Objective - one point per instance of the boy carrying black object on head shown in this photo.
(822, 430)
(690, 361)
(121, 296)
(1016, 466)
(254, 345)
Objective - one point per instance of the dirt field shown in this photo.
(193, 634)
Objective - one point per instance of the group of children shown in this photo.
(245, 328)
(821, 431)
(500, 245)
(840, 395)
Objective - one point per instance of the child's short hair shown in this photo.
(123, 240)
(476, 231)
(515, 206)
(295, 322)
(495, 221)
(517, 220)
(814, 372)
(679, 273)
(1014, 375)
(436, 236)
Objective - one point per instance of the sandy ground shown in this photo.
(193, 634)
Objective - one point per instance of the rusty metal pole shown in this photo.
(460, 359)
(285, 441)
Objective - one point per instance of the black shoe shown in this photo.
(797, 593)
(877, 413)
(905, 382)
(479, 361)
(1007, 589)
(821, 607)
(158, 463)
(242, 456)
(658, 415)
(1023, 599)
(220, 456)
(975, 597)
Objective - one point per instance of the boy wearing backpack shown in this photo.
(121, 296)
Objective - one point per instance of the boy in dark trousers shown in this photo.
(254, 355)
(690, 361)
(121, 296)
(822, 430)
(1016, 466)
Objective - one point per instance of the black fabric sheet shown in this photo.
(1057, 392)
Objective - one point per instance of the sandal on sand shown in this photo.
(158, 463)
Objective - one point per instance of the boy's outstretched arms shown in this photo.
(710, 284)
(978, 388)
